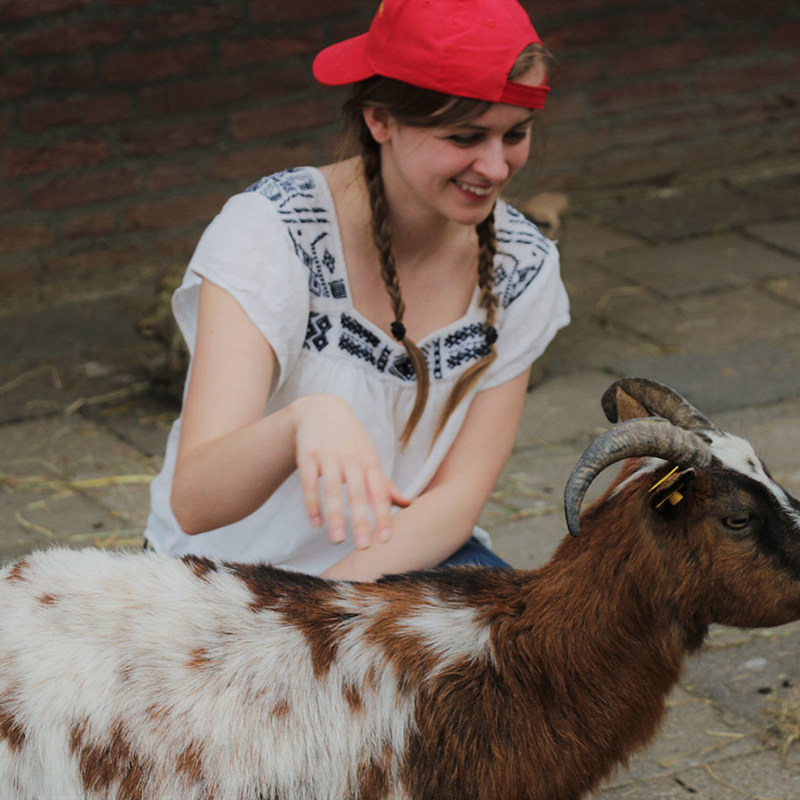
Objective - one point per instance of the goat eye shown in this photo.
(737, 522)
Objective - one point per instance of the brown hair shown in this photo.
(416, 107)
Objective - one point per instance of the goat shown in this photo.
(140, 677)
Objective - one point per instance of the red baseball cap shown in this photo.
(457, 47)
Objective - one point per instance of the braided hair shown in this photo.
(381, 235)
(413, 106)
(487, 244)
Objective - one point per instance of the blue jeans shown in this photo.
(474, 553)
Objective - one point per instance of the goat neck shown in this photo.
(599, 644)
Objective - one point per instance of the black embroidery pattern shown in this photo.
(287, 185)
(321, 265)
(522, 252)
(359, 341)
(383, 359)
(293, 192)
(316, 333)
(401, 367)
(436, 366)
(466, 344)
(355, 328)
(513, 274)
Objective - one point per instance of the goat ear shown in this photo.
(668, 493)
(623, 406)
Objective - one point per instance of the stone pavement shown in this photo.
(697, 285)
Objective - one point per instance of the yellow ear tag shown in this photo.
(674, 498)
(658, 483)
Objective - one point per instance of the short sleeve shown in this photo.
(533, 303)
(245, 250)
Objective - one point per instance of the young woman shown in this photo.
(361, 334)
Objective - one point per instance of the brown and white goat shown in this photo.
(139, 677)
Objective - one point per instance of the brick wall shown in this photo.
(124, 124)
(653, 91)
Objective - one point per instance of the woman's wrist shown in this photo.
(302, 407)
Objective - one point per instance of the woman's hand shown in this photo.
(332, 444)
(444, 515)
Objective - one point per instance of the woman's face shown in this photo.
(458, 172)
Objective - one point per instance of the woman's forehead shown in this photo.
(500, 116)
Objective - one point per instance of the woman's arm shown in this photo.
(442, 518)
(231, 457)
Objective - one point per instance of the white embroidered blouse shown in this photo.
(276, 248)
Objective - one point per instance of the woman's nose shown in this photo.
(491, 162)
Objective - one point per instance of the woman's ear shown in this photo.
(379, 121)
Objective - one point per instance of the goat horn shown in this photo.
(659, 400)
(643, 436)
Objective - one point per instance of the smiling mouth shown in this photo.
(478, 191)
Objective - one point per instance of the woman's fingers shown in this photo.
(339, 470)
(332, 479)
(369, 493)
(354, 476)
(380, 495)
(309, 472)
(397, 497)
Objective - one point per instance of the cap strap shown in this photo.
(520, 94)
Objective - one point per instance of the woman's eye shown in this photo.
(465, 139)
(470, 139)
(516, 136)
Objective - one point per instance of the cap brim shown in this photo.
(343, 62)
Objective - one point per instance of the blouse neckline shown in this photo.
(322, 184)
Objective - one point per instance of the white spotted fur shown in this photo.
(112, 615)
